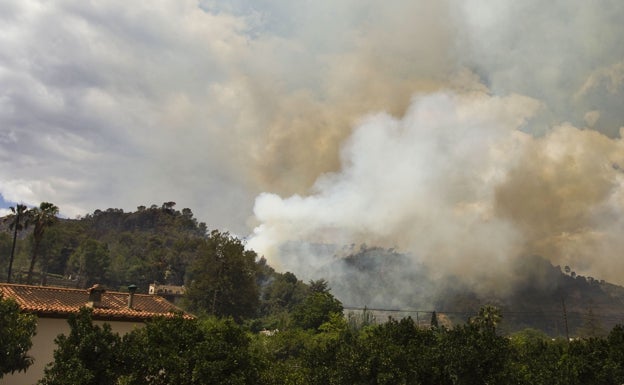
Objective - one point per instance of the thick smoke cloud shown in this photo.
(203, 103)
(457, 183)
(465, 132)
(520, 175)
(564, 53)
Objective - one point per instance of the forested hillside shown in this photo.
(159, 244)
(116, 248)
(164, 245)
(542, 296)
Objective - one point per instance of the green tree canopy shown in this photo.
(89, 355)
(282, 294)
(16, 332)
(488, 318)
(316, 309)
(222, 279)
(90, 262)
(176, 350)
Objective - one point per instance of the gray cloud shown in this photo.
(566, 53)
(110, 105)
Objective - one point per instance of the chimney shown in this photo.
(132, 289)
(95, 295)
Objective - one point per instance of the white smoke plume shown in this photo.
(521, 154)
(460, 185)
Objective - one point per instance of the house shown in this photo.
(52, 305)
(171, 293)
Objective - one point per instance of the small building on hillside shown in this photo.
(53, 305)
(171, 293)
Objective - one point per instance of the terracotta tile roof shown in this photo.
(47, 301)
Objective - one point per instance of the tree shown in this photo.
(434, 320)
(41, 218)
(282, 294)
(222, 280)
(474, 355)
(316, 309)
(616, 351)
(488, 318)
(89, 355)
(5, 252)
(319, 286)
(90, 262)
(17, 223)
(57, 246)
(162, 352)
(16, 332)
(177, 350)
(536, 358)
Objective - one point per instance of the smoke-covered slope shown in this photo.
(390, 283)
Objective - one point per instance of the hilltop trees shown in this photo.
(154, 244)
(39, 218)
(222, 279)
(90, 263)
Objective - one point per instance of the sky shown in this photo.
(467, 132)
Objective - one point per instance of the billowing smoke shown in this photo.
(458, 184)
(466, 133)
(512, 150)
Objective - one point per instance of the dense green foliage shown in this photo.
(188, 351)
(167, 351)
(222, 279)
(161, 245)
(317, 308)
(177, 350)
(16, 331)
(154, 244)
(258, 326)
(90, 261)
(88, 355)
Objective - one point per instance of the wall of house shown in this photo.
(43, 347)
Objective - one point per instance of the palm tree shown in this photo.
(17, 224)
(488, 318)
(40, 217)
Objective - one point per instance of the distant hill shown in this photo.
(115, 248)
(393, 285)
(158, 243)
